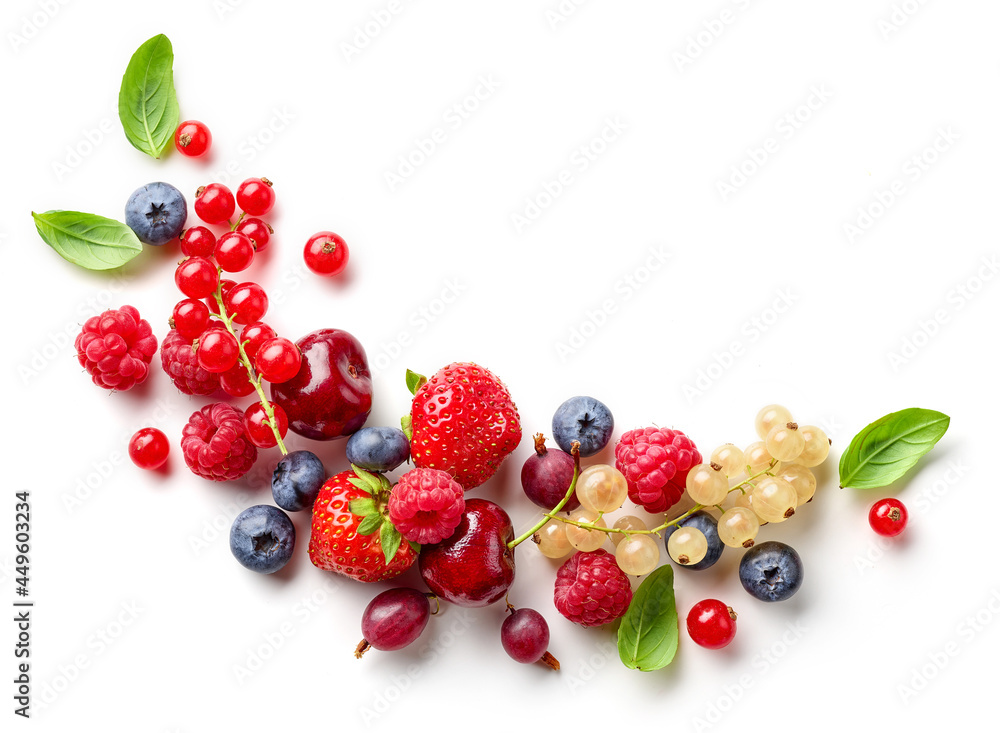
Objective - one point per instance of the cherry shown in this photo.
(235, 381)
(246, 302)
(149, 448)
(196, 277)
(278, 360)
(198, 242)
(217, 351)
(190, 318)
(258, 230)
(214, 203)
(888, 517)
(192, 138)
(255, 196)
(258, 425)
(234, 252)
(326, 253)
(254, 335)
(711, 624)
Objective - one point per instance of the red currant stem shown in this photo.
(232, 227)
(248, 365)
(551, 514)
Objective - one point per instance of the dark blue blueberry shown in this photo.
(156, 213)
(586, 420)
(378, 449)
(262, 538)
(297, 480)
(709, 527)
(771, 571)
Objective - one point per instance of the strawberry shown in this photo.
(351, 531)
(463, 421)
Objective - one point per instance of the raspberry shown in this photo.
(591, 589)
(215, 443)
(115, 348)
(426, 505)
(181, 365)
(656, 462)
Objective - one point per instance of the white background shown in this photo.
(143, 618)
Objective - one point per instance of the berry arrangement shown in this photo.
(662, 494)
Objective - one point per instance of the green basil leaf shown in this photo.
(147, 102)
(414, 381)
(647, 636)
(391, 539)
(370, 523)
(87, 240)
(890, 446)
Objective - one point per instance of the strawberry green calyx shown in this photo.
(414, 381)
(374, 510)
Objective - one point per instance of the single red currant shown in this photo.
(196, 277)
(234, 252)
(246, 302)
(278, 360)
(711, 624)
(254, 335)
(149, 448)
(888, 517)
(193, 138)
(259, 426)
(217, 351)
(258, 230)
(326, 253)
(197, 242)
(214, 203)
(190, 318)
(236, 382)
(255, 196)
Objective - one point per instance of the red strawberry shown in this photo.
(463, 421)
(351, 532)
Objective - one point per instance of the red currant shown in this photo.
(234, 252)
(888, 517)
(258, 230)
(259, 426)
(246, 302)
(235, 382)
(278, 360)
(255, 196)
(190, 318)
(326, 253)
(711, 624)
(197, 277)
(214, 203)
(193, 138)
(149, 448)
(217, 351)
(197, 242)
(254, 335)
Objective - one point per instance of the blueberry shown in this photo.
(378, 449)
(262, 538)
(156, 213)
(709, 527)
(771, 571)
(297, 480)
(586, 420)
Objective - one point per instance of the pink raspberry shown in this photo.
(215, 443)
(116, 347)
(591, 590)
(181, 365)
(656, 462)
(426, 505)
